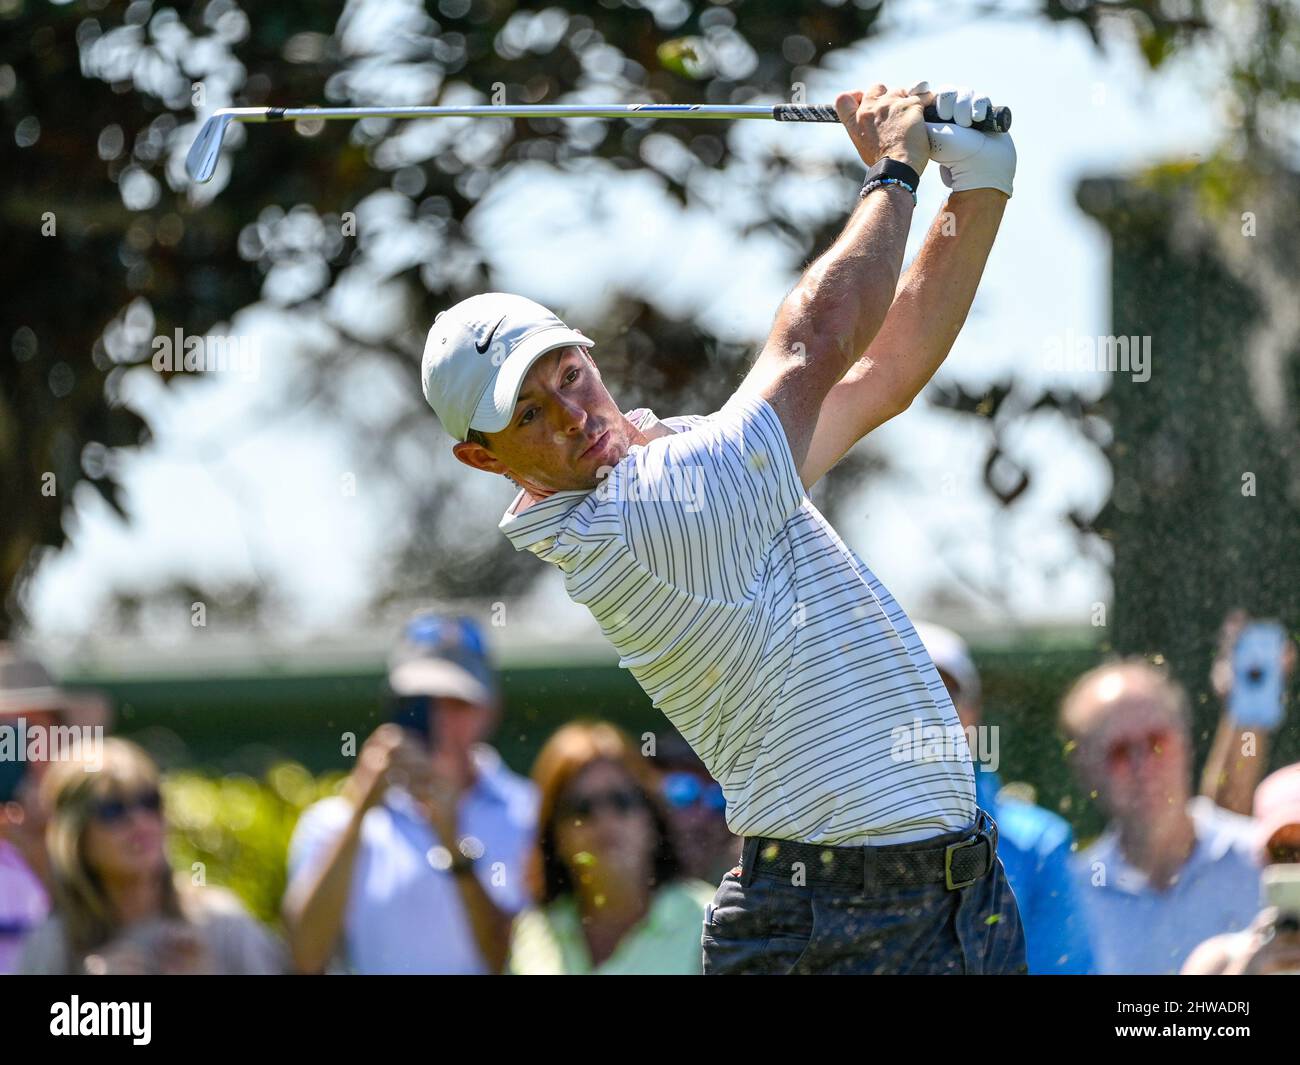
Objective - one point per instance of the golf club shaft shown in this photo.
(998, 119)
(205, 152)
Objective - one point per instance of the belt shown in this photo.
(956, 860)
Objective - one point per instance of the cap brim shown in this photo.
(497, 406)
(439, 678)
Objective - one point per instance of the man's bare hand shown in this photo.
(886, 122)
(367, 783)
(432, 784)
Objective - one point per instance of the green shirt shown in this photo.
(666, 942)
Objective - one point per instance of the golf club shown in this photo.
(201, 162)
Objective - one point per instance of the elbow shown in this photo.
(890, 411)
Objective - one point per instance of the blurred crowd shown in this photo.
(435, 857)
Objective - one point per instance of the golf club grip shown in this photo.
(998, 120)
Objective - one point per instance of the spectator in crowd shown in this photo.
(605, 874)
(118, 907)
(1272, 942)
(696, 809)
(1034, 844)
(1170, 870)
(30, 704)
(418, 867)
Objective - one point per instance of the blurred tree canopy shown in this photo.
(109, 246)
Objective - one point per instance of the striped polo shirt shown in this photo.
(763, 638)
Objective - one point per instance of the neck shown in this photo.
(607, 896)
(457, 768)
(1159, 848)
(134, 898)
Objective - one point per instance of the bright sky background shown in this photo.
(267, 500)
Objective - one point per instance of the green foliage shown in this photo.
(239, 828)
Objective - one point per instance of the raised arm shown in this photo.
(931, 306)
(834, 312)
(917, 334)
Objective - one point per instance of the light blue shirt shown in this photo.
(1138, 930)
(404, 913)
(1035, 847)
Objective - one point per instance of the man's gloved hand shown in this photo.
(967, 158)
(956, 103)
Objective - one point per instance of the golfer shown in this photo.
(770, 645)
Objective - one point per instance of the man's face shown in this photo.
(566, 428)
(1136, 753)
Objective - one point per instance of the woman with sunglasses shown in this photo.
(605, 874)
(118, 907)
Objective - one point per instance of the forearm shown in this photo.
(1235, 765)
(932, 304)
(918, 331)
(833, 313)
(843, 298)
(313, 914)
(490, 924)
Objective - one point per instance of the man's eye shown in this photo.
(573, 374)
(527, 416)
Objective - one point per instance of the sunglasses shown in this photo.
(1124, 753)
(685, 790)
(621, 802)
(116, 811)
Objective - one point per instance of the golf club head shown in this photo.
(201, 162)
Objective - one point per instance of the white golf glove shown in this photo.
(967, 158)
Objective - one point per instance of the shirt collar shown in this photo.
(541, 521)
(490, 779)
(1214, 838)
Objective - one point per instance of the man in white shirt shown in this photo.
(1170, 870)
(767, 642)
(420, 865)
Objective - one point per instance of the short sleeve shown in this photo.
(317, 829)
(699, 509)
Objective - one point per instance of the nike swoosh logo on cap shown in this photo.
(482, 348)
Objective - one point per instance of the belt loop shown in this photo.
(748, 859)
(869, 864)
(988, 831)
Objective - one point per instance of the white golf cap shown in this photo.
(950, 655)
(478, 353)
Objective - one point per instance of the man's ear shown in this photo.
(478, 457)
